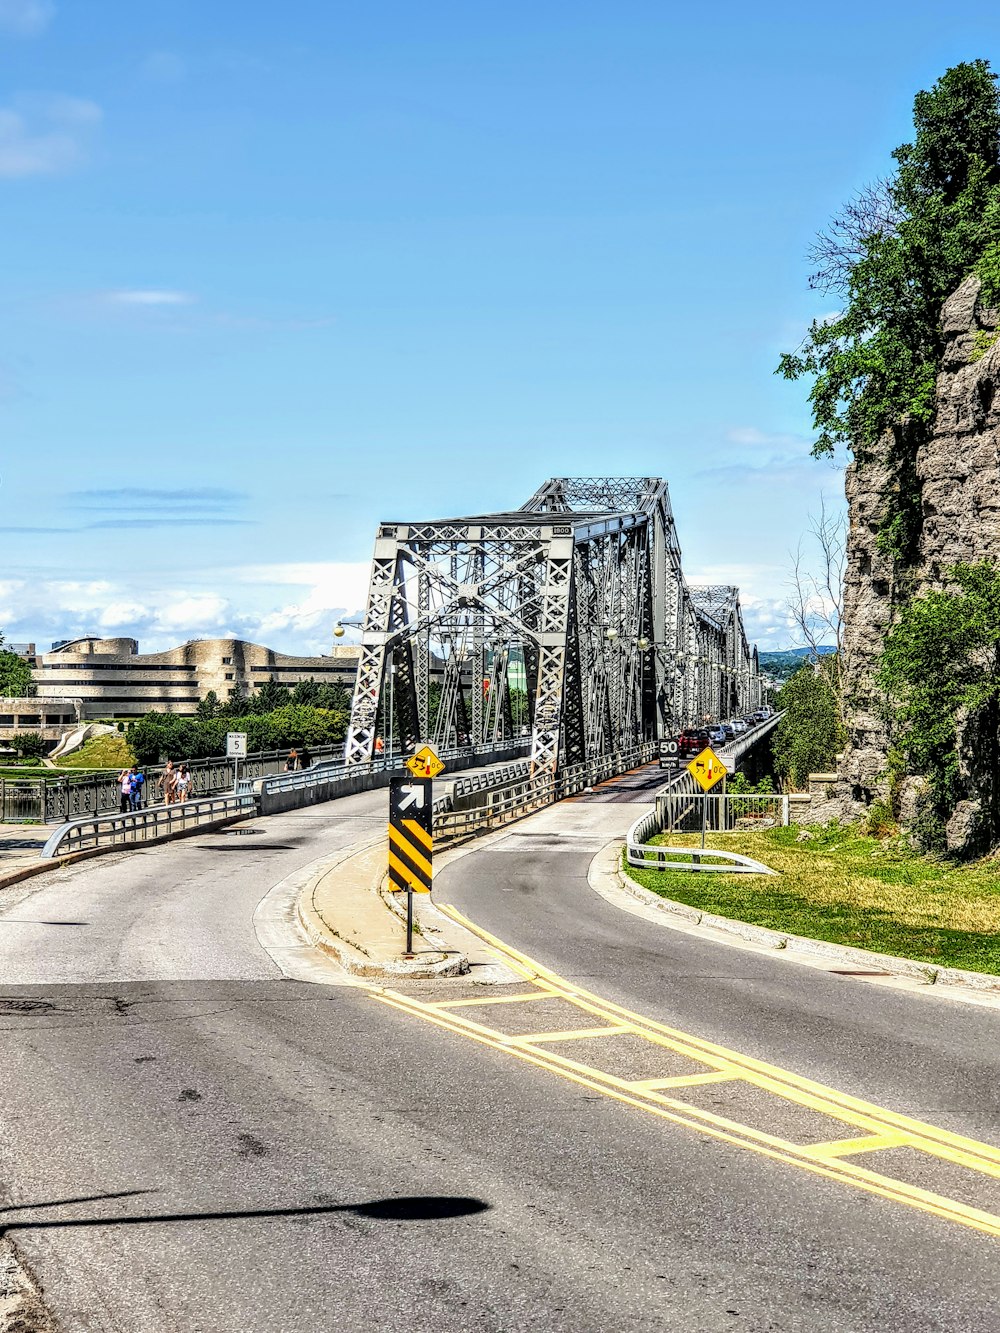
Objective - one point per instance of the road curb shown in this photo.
(360, 883)
(928, 973)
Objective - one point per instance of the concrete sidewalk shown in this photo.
(20, 847)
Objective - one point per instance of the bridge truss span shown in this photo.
(568, 621)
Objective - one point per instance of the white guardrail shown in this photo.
(156, 821)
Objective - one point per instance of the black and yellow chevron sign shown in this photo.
(411, 842)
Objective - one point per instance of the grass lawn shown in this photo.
(850, 889)
(107, 751)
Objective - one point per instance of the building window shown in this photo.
(6, 719)
(227, 661)
(230, 675)
(54, 719)
(29, 720)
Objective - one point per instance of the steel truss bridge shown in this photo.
(568, 621)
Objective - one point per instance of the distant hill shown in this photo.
(785, 663)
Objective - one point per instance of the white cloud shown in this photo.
(25, 18)
(248, 602)
(150, 296)
(43, 136)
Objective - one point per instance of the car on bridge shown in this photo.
(692, 741)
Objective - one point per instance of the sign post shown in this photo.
(411, 830)
(707, 769)
(411, 843)
(236, 749)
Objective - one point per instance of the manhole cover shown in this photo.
(15, 1006)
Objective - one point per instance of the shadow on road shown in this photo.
(411, 1208)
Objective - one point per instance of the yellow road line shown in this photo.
(683, 1081)
(849, 1147)
(868, 1181)
(886, 1128)
(572, 1034)
(982, 1157)
(540, 994)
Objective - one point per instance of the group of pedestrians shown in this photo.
(176, 784)
(131, 784)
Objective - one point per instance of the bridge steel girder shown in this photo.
(578, 598)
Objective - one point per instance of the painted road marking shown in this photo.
(881, 1128)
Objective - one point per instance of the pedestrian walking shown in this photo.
(168, 783)
(184, 783)
(305, 758)
(292, 762)
(135, 792)
(379, 747)
(125, 789)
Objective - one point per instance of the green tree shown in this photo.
(28, 744)
(208, 707)
(893, 256)
(941, 668)
(810, 735)
(15, 675)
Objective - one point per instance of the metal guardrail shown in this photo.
(696, 858)
(494, 777)
(155, 821)
(501, 805)
(333, 771)
(681, 807)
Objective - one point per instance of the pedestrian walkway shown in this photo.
(20, 846)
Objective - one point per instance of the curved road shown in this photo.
(190, 1140)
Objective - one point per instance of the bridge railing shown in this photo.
(500, 805)
(48, 800)
(156, 821)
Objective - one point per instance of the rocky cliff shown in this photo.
(957, 466)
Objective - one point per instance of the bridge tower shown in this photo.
(568, 619)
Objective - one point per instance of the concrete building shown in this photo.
(50, 717)
(113, 679)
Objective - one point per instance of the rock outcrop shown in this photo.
(958, 475)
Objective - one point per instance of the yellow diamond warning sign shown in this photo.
(707, 769)
(425, 763)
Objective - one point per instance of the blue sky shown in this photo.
(274, 273)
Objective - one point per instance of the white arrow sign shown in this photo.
(414, 796)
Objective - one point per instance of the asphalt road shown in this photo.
(190, 1141)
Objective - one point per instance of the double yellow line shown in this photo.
(875, 1127)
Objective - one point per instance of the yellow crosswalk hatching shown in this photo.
(878, 1128)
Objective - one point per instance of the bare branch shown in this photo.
(816, 601)
(872, 213)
